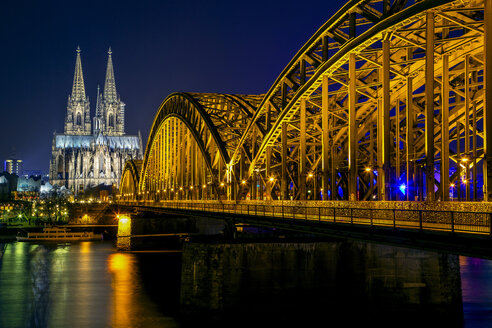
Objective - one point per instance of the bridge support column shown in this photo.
(268, 174)
(487, 112)
(325, 138)
(384, 127)
(333, 167)
(268, 160)
(352, 131)
(254, 185)
(285, 180)
(241, 184)
(429, 106)
(230, 183)
(253, 174)
(466, 162)
(445, 129)
(458, 156)
(474, 151)
(302, 155)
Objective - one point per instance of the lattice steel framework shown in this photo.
(387, 101)
(130, 179)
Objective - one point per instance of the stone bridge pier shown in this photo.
(143, 232)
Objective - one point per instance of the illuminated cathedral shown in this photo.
(92, 152)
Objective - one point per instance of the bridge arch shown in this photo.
(189, 145)
(130, 179)
(339, 120)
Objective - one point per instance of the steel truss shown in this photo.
(386, 101)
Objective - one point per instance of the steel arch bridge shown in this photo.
(386, 101)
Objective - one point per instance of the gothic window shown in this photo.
(79, 119)
(111, 120)
(101, 163)
(60, 167)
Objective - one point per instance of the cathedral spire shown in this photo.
(110, 94)
(98, 119)
(98, 103)
(78, 120)
(78, 88)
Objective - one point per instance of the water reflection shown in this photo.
(476, 284)
(74, 285)
(120, 266)
(90, 285)
(347, 284)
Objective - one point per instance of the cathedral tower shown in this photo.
(78, 120)
(81, 160)
(113, 108)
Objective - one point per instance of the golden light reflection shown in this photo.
(120, 266)
(85, 247)
(118, 262)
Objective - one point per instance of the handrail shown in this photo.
(417, 219)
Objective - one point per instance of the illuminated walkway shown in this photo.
(454, 230)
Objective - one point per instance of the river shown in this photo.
(90, 284)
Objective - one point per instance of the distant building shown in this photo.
(28, 187)
(84, 157)
(13, 166)
(4, 188)
(8, 185)
(25, 184)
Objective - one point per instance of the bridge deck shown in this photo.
(454, 221)
(461, 232)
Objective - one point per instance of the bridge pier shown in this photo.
(165, 231)
(330, 280)
(124, 233)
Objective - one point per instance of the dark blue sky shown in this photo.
(159, 47)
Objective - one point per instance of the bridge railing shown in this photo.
(421, 219)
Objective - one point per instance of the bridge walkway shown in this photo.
(453, 221)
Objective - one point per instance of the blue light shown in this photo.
(403, 187)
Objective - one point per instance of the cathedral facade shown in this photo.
(92, 152)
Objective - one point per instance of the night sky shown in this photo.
(159, 47)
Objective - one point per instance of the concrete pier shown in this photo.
(348, 281)
(163, 232)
